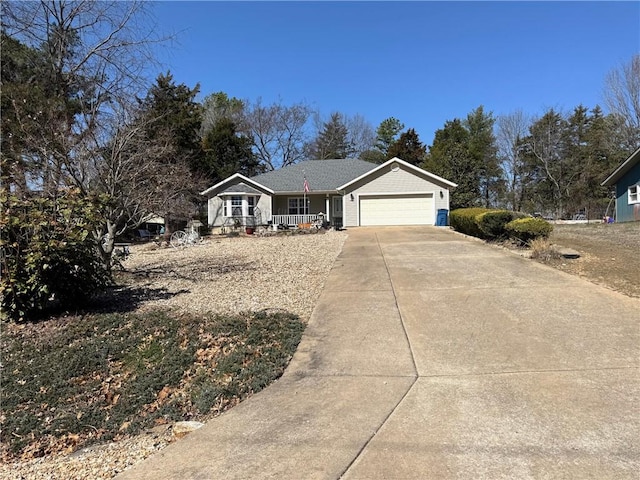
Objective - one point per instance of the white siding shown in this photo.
(387, 181)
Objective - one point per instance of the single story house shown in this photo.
(626, 179)
(345, 193)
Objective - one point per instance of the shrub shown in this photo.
(527, 229)
(49, 257)
(464, 221)
(492, 223)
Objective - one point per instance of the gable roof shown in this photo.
(322, 175)
(405, 164)
(242, 178)
(240, 188)
(619, 172)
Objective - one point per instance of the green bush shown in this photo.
(464, 221)
(49, 258)
(492, 223)
(528, 229)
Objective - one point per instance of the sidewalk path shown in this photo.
(430, 355)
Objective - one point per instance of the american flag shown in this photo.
(306, 186)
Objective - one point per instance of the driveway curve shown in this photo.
(432, 355)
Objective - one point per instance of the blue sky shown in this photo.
(421, 62)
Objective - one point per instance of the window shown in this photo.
(251, 202)
(236, 206)
(296, 206)
(634, 194)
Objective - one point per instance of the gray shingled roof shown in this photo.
(322, 175)
(241, 188)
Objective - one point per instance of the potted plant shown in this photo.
(249, 226)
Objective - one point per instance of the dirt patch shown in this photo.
(609, 254)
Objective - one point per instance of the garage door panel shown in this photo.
(397, 210)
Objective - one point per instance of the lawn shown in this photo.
(609, 254)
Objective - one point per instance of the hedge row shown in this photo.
(527, 229)
(491, 224)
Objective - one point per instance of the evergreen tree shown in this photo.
(567, 157)
(449, 158)
(332, 141)
(483, 154)
(408, 148)
(387, 134)
(21, 77)
(373, 156)
(174, 113)
(226, 152)
(218, 105)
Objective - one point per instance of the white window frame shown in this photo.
(300, 206)
(239, 206)
(633, 194)
(237, 203)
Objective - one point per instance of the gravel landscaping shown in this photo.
(221, 275)
(236, 274)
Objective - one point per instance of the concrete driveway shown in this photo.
(431, 355)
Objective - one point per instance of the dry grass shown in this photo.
(543, 250)
(609, 254)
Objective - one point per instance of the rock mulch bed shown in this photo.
(222, 275)
(235, 274)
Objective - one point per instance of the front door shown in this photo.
(336, 211)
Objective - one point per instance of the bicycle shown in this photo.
(184, 239)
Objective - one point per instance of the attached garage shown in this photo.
(403, 209)
(394, 193)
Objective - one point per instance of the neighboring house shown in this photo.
(345, 193)
(626, 179)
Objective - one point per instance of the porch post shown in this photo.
(327, 207)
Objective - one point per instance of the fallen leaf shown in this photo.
(164, 393)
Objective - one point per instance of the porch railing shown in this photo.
(294, 220)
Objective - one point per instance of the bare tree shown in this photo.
(278, 132)
(93, 53)
(511, 130)
(548, 150)
(141, 177)
(361, 134)
(622, 96)
(76, 121)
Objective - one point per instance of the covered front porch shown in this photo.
(293, 210)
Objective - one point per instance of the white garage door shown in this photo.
(397, 210)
